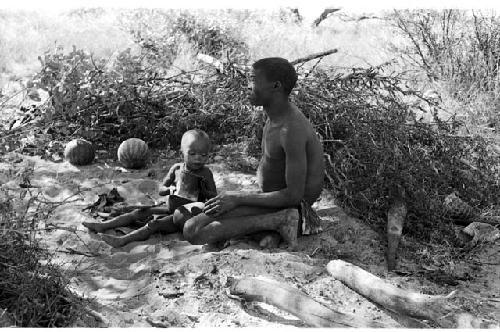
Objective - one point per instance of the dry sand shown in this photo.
(165, 281)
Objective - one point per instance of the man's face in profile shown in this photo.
(260, 88)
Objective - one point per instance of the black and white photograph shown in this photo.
(267, 164)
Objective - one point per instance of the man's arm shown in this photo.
(293, 142)
(211, 189)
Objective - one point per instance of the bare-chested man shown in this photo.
(290, 172)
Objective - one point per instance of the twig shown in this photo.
(314, 251)
(12, 96)
(493, 299)
(324, 15)
(490, 263)
(313, 56)
(78, 252)
(333, 141)
(64, 201)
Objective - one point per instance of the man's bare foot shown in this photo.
(270, 241)
(288, 228)
(98, 227)
(114, 241)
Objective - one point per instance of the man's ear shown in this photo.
(277, 85)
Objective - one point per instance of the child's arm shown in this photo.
(169, 179)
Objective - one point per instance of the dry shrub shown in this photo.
(33, 291)
(34, 294)
(376, 149)
(460, 49)
(135, 93)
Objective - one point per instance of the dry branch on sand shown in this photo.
(295, 302)
(408, 308)
(434, 308)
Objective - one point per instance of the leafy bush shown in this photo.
(377, 150)
(107, 101)
(34, 294)
(108, 106)
(32, 289)
(215, 40)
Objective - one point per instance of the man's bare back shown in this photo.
(271, 174)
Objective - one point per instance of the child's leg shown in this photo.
(175, 201)
(123, 220)
(140, 234)
(164, 224)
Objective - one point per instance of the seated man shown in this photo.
(290, 173)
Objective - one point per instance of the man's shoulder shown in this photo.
(296, 124)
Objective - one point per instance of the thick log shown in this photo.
(428, 307)
(296, 302)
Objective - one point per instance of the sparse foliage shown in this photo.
(107, 101)
(375, 146)
(32, 289)
(454, 45)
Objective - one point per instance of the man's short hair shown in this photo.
(278, 69)
(197, 134)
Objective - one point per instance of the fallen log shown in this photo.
(296, 302)
(434, 308)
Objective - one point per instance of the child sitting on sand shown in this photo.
(186, 182)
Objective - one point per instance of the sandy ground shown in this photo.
(165, 281)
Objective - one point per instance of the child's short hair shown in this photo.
(278, 69)
(196, 134)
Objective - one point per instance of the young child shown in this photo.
(186, 182)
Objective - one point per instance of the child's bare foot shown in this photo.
(114, 241)
(288, 229)
(98, 227)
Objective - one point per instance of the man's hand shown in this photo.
(220, 204)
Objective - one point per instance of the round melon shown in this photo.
(79, 152)
(133, 153)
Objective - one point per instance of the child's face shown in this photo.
(195, 154)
